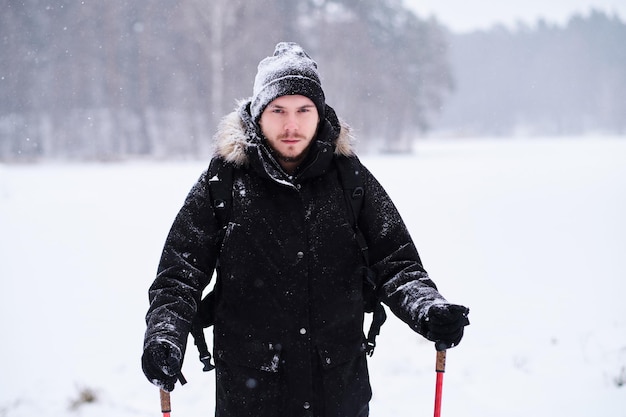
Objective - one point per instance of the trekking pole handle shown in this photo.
(166, 406)
(440, 364)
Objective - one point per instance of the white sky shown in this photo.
(466, 15)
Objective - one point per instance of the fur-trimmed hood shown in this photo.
(237, 133)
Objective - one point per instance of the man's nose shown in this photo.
(291, 123)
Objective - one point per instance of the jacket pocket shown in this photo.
(345, 378)
(335, 354)
(249, 383)
(262, 356)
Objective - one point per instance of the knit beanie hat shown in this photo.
(289, 71)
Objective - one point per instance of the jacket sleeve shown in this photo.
(402, 282)
(185, 269)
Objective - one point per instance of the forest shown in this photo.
(540, 80)
(111, 80)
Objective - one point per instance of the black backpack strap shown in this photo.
(353, 183)
(220, 182)
(378, 319)
(203, 350)
(220, 178)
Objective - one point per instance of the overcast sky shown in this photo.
(467, 15)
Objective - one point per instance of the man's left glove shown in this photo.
(161, 363)
(444, 324)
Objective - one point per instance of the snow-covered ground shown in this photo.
(531, 234)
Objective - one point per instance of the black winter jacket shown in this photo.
(288, 334)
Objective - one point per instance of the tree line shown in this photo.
(115, 79)
(540, 80)
(105, 80)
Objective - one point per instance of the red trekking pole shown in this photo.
(440, 368)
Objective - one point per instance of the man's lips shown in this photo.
(290, 137)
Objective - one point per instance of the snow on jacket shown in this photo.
(288, 334)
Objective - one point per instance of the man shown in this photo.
(289, 303)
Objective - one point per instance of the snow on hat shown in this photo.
(289, 71)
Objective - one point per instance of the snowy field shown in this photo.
(530, 234)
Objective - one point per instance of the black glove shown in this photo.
(161, 363)
(444, 324)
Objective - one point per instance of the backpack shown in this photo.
(220, 177)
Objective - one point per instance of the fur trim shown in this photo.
(234, 137)
(344, 144)
(231, 140)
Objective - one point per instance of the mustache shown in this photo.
(291, 136)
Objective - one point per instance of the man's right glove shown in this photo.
(161, 363)
(444, 324)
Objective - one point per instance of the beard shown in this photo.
(292, 158)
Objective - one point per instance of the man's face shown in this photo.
(289, 124)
